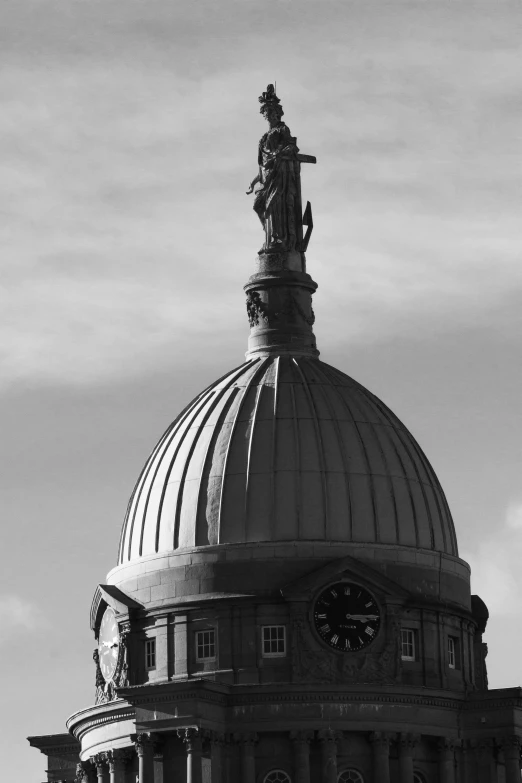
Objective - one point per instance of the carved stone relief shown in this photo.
(311, 662)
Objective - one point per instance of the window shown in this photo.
(408, 646)
(350, 776)
(274, 641)
(277, 776)
(150, 654)
(206, 645)
(418, 778)
(453, 653)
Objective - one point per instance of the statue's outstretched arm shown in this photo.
(253, 183)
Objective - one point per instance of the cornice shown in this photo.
(227, 696)
(112, 712)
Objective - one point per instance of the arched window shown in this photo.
(350, 776)
(277, 776)
(418, 778)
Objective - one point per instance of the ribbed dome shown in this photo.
(286, 448)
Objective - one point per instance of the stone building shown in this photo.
(288, 604)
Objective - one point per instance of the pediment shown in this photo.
(344, 568)
(109, 595)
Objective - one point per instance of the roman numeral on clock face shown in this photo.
(334, 639)
(324, 628)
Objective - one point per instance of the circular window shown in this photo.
(418, 778)
(277, 776)
(350, 776)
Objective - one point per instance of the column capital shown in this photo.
(329, 735)
(117, 759)
(192, 736)
(408, 741)
(301, 736)
(248, 738)
(99, 760)
(381, 739)
(510, 741)
(142, 742)
(446, 744)
(84, 770)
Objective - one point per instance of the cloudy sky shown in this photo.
(128, 137)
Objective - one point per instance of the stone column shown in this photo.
(194, 746)
(157, 747)
(446, 747)
(301, 742)
(117, 760)
(511, 746)
(406, 744)
(100, 763)
(328, 740)
(381, 756)
(248, 757)
(217, 742)
(143, 745)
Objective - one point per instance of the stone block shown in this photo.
(189, 587)
(173, 575)
(176, 561)
(142, 595)
(163, 591)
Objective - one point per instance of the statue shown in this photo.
(277, 185)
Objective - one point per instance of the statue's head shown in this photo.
(271, 108)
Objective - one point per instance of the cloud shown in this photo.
(124, 153)
(495, 566)
(17, 615)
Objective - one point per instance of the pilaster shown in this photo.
(446, 748)
(380, 741)
(301, 744)
(406, 746)
(511, 746)
(328, 740)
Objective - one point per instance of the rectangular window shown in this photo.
(452, 652)
(150, 654)
(274, 641)
(408, 651)
(206, 645)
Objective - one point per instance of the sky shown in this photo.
(128, 137)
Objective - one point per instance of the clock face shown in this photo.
(108, 644)
(347, 617)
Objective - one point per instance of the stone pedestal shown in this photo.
(381, 756)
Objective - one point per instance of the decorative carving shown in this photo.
(256, 309)
(142, 742)
(84, 770)
(192, 737)
(381, 739)
(277, 184)
(316, 665)
(117, 759)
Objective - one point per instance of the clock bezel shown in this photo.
(318, 636)
(109, 609)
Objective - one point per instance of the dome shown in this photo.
(286, 448)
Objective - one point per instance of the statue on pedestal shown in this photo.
(277, 185)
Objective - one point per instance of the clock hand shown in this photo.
(363, 618)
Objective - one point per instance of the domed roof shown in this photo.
(286, 448)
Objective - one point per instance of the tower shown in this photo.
(288, 604)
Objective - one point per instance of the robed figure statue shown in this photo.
(278, 184)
